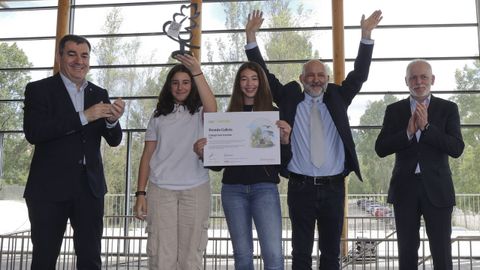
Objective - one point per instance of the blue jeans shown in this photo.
(260, 202)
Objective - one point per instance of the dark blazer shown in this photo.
(61, 142)
(337, 99)
(442, 139)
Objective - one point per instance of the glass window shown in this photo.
(123, 19)
(28, 4)
(40, 53)
(410, 12)
(17, 24)
(131, 56)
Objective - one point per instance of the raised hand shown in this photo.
(254, 22)
(370, 23)
(189, 62)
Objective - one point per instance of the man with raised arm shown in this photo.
(322, 145)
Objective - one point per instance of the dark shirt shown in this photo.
(251, 174)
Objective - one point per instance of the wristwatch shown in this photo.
(425, 128)
(138, 193)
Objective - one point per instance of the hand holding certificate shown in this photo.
(241, 138)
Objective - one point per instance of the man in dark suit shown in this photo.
(422, 131)
(316, 187)
(65, 117)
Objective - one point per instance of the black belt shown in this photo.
(316, 180)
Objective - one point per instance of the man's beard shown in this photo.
(424, 93)
(309, 91)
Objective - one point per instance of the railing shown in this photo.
(371, 241)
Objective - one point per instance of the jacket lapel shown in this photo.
(88, 96)
(406, 109)
(62, 92)
(431, 107)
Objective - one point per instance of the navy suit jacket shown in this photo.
(61, 142)
(443, 138)
(337, 98)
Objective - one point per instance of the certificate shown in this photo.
(241, 138)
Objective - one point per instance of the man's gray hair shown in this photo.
(415, 61)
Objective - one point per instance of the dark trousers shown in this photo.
(408, 211)
(48, 221)
(323, 204)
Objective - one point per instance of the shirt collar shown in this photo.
(426, 101)
(178, 108)
(413, 102)
(71, 85)
(309, 99)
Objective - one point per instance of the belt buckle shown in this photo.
(317, 181)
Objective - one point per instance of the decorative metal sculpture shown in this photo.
(173, 28)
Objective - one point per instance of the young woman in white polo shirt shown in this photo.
(178, 200)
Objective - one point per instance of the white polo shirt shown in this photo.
(174, 165)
